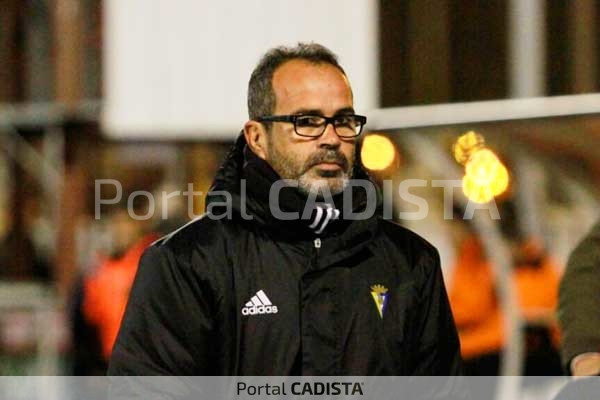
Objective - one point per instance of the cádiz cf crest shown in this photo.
(380, 295)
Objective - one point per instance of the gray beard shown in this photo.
(335, 180)
(317, 186)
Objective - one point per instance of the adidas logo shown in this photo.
(259, 304)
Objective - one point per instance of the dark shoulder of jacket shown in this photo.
(203, 238)
(416, 249)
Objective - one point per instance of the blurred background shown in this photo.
(104, 102)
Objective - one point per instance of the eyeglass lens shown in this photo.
(313, 125)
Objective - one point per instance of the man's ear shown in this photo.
(256, 137)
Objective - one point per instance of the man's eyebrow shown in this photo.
(316, 111)
(345, 111)
(308, 111)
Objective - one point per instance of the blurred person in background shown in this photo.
(476, 308)
(243, 291)
(474, 304)
(537, 278)
(104, 292)
(579, 307)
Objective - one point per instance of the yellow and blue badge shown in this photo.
(380, 295)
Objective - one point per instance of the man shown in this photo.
(106, 289)
(269, 282)
(579, 307)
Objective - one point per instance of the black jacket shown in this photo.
(270, 297)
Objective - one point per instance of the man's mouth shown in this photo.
(329, 166)
(330, 162)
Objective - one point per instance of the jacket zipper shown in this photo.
(315, 257)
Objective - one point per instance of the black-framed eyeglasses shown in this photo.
(345, 125)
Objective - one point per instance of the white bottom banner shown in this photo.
(266, 388)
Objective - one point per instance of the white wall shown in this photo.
(179, 68)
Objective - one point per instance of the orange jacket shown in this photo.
(473, 299)
(107, 290)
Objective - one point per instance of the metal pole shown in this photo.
(527, 50)
(527, 79)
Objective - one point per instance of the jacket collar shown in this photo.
(248, 180)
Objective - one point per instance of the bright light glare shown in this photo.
(485, 176)
(378, 152)
(465, 145)
(476, 192)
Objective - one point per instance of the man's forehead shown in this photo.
(304, 81)
(298, 68)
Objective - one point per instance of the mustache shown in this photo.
(328, 156)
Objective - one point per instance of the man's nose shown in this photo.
(329, 138)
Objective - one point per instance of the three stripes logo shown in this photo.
(325, 213)
(259, 304)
